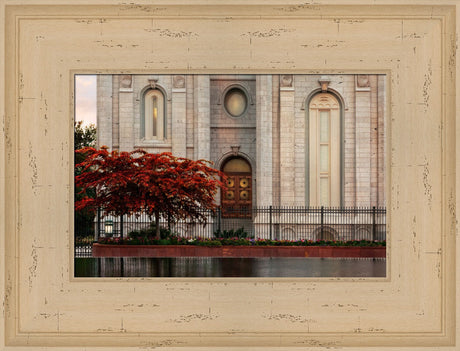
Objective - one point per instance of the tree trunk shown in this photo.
(157, 225)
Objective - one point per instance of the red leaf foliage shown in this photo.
(135, 182)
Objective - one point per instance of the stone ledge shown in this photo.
(102, 250)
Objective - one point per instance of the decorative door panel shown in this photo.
(237, 199)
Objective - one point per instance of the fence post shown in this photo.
(271, 222)
(374, 225)
(322, 222)
(219, 217)
(98, 229)
(121, 226)
(169, 222)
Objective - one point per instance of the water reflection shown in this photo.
(228, 267)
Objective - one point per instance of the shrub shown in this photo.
(149, 232)
(226, 234)
(81, 241)
(236, 241)
(213, 243)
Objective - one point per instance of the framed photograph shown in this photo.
(258, 85)
(295, 186)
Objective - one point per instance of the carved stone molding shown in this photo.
(324, 82)
(286, 81)
(362, 81)
(179, 81)
(153, 82)
(235, 149)
(126, 81)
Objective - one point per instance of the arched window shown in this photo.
(153, 126)
(324, 150)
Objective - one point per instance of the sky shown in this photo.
(85, 99)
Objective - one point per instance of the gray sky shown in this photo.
(85, 99)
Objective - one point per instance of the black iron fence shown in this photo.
(280, 223)
(83, 250)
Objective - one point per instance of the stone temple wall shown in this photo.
(271, 133)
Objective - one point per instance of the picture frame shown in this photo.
(46, 43)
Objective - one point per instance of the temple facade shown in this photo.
(282, 140)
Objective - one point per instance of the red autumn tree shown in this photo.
(156, 184)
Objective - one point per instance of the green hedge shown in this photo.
(215, 242)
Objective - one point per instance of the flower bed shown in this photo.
(216, 242)
(234, 247)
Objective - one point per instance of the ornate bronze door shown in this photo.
(237, 199)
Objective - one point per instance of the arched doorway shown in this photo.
(237, 199)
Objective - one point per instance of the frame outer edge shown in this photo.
(9, 167)
(450, 188)
(456, 318)
(2, 174)
(9, 133)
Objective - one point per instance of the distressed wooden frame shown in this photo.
(45, 44)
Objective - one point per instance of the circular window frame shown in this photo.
(243, 91)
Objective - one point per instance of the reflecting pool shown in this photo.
(229, 267)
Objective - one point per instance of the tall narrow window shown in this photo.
(153, 126)
(324, 151)
(324, 157)
(155, 114)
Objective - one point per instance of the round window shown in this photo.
(235, 102)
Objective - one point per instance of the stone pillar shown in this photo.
(287, 132)
(374, 141)
(179, 117)
(276, 139)
(363, 140)
(202, 108)
(264, 141)
(381, 139)
(349, 146)
(104, 111)
(190, 115)
(115, 120)
(125, 113)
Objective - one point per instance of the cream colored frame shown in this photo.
(44, 46)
